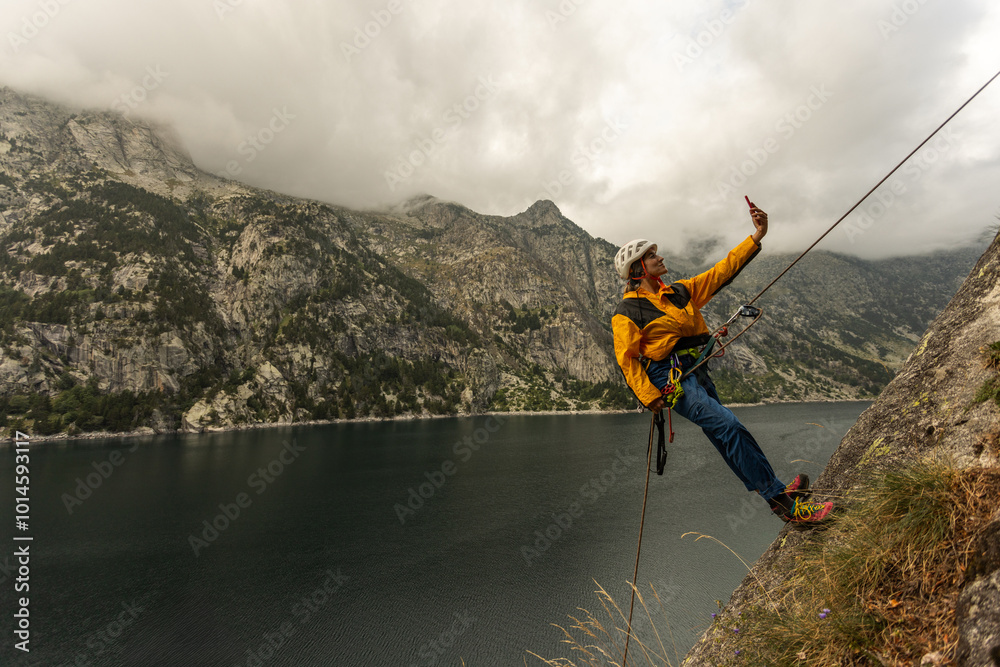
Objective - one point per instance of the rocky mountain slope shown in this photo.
(944, 403)
(138, 290)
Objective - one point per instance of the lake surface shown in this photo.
(396, 544)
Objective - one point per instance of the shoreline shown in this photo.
(148, 431)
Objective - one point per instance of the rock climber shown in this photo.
(658, 333)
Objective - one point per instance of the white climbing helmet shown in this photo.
(630, 252)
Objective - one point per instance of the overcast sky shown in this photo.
(636, 118)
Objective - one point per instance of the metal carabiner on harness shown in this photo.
(673, 391)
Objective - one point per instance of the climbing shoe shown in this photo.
(799, 488)
(798, 510)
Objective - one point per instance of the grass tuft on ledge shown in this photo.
(879, 586)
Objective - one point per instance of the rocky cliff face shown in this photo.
(206, 303)
(196, 302)
(933, 406)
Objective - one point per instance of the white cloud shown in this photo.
(630, 114)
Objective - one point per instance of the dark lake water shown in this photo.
(396, 544)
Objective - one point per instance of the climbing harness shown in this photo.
(748, 310)
(671, 393)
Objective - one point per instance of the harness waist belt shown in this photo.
(683, 344)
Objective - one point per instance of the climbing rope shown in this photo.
(723, 330)
(884, 179)
(642, 521)
(756, 314)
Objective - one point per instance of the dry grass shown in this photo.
(600, 641)
(879, 587)
(598, 646)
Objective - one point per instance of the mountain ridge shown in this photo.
(214, 304)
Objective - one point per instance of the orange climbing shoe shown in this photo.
(801, 511)
(799, 488)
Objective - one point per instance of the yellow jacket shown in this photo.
(648, 325)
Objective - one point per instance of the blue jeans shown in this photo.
(701, 405)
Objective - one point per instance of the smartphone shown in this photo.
(748, 201)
